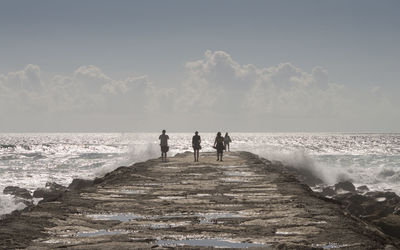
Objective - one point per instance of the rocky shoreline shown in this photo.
(242, 202)
(379, 208)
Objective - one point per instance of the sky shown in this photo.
(244, 66)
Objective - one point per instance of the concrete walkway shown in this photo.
(242, 202)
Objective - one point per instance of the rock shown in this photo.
(26, 202)
(356, 209)
(362, 188)
(78, 184)
(40, 192)
(305, 176)
(47, 194)
(353, 203)
(396, 210)
(389, 196)
(351, 198)
(328, 191)
(312, 181)
(18, 192)
(371, 206)
(55, 186)
(346, 186)
(389, 225)
(51, 192)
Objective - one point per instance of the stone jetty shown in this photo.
(242, 202)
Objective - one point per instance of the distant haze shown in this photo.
(257, 66)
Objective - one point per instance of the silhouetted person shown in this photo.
(196, 140)
(219, 145)
(227, 140)
(164, 145)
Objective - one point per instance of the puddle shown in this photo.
(101, 233)
(204, 218)
(131, 191)
(231, 167)
(380, 199)
(331, 245)
(238, 173)
(120, 217)
(160, 225)
(171, 197)
(233, 179)
(278, 232)
(208, 243)
(203, 195)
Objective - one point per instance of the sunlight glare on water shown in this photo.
(31, 160)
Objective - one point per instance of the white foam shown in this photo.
(8, 204)
(136, 153)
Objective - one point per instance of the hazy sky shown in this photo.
(267, 66)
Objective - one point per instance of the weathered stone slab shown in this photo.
(239, 203)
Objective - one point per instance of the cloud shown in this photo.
(279, 95)
(216, 91)
(216, 83)
(88, 89)
(219, 82)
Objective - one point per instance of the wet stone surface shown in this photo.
(243, 202)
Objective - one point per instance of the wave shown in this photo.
(136, 153)
(8, 204)
(305, 163)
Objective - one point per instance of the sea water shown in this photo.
(31, 160)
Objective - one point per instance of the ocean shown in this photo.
(31, 160)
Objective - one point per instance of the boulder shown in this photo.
(389, 196)
(346, 186)
(78, 184)
(26, 202)
(51, 192)
(362, 189)
(389, 225)
(55, 186)
(396, 210)
(328, 191)
(356, 209)
(353, 203)
(18, 192)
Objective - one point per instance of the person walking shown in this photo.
(196, 140)
(219, 145)
(164, 145)
(227, 140)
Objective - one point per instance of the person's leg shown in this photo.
(198, 152)
(194, 154)
(221, 155)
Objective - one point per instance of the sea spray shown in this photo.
(8, 204)
(136, 153)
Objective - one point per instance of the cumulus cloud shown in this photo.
(283, 95)
(217, 91)
(87, 89)
(220, 82)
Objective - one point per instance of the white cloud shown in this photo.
(217, 91)
(87, 89)
(219, 82)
